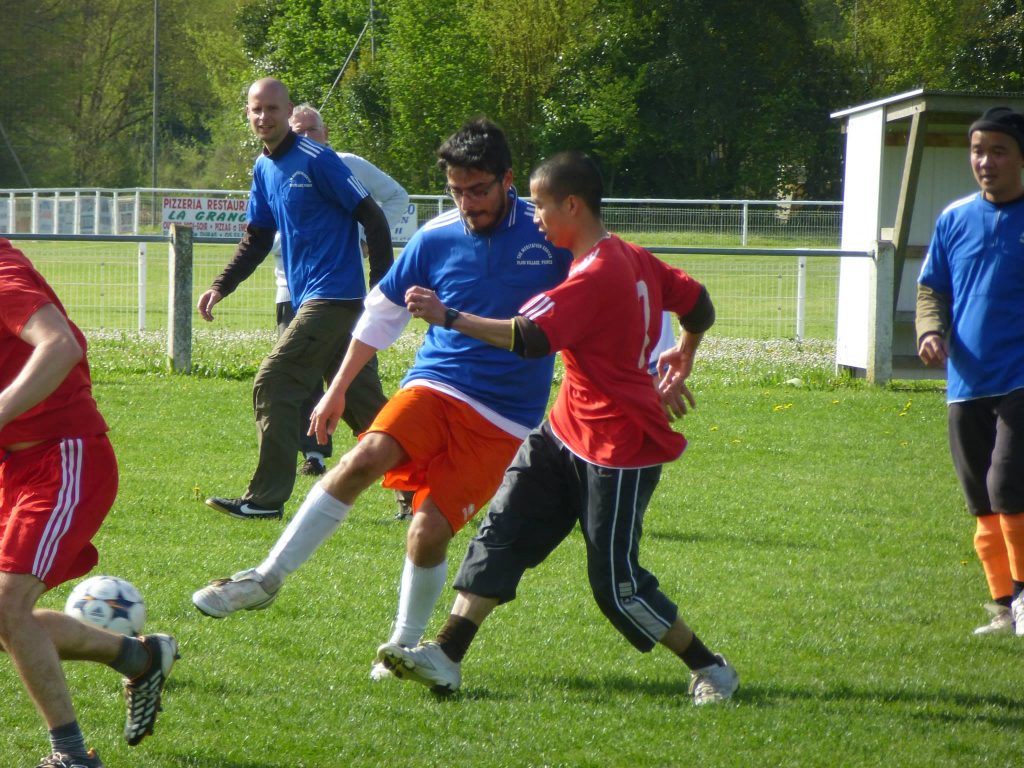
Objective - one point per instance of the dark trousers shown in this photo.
(546, 491)
(307, 353)
(307, 443)
(986, 439)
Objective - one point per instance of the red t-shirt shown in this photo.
(70, 410)
(605, 318)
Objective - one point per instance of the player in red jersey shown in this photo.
(598, 457)
(58, 480)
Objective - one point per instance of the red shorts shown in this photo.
(53, 498)
(456, 456)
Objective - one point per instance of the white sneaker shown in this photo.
(1001, 621)
(223, 597)
(715, 683)
(1017, 611)
(379, 671)
(426, 664)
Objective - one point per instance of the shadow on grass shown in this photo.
(949, 706)
(190, 761)
(747, 540)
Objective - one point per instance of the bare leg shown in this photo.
(474, 607)
(678, 637)
(362, 466)
(37, 640)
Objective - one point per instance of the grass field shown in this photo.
(813, 532)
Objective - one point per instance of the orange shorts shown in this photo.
(456, 456)
(53, 498)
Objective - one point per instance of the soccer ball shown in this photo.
(109, 603)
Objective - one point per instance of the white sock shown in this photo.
(421, 589)
(315, 455)
(317, 518)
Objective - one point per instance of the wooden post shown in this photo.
(879, 369)
(908, 195)
(179, 300)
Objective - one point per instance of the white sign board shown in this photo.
(207, 216)
(865, 140)
(403, 229)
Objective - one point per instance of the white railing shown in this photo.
(113, 282)
(136, 211)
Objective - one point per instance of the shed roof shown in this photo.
(957, 106)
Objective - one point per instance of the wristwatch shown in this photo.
(449, 317)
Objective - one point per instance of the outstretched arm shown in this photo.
(423, 303)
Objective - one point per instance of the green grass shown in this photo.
(813, 532)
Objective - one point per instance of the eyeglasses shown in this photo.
(476, 192)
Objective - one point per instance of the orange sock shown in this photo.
(990, 544)
(1013, 536)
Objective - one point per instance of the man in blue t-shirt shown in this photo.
(969, 319)
(304, 191)
(464, 407)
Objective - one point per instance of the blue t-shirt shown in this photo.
(491, 275)
(308, 195)
(976, 257)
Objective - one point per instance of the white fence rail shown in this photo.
(138, 211)
(122, 283)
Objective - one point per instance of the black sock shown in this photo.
(697, 655)
(1018, 587)
(68, 739)
(455, 636)
(1004, 601)
(133, 658)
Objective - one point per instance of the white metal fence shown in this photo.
(733, 246)
(121, 284)
(137, 211)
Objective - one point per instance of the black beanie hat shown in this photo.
(1001, 120)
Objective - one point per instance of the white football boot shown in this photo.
(1001, 621)
(243, 591)
(426, 664)
(713, 684)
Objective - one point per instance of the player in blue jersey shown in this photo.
(394, 201)
(969, 319)
(464, 407)
(303, 190)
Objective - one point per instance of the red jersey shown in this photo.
(70, 410)
(605, 318)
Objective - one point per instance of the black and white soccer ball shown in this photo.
(109, 603)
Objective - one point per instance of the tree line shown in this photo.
(674, 98)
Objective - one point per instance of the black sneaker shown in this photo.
(143, 693)
(313, 467)
(244, 510)
(60, 760)
(404, 499)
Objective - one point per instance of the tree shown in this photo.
(28, 79)
(896, 45)
(992, 56)
(690, 98)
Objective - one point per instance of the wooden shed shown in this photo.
(906, 160)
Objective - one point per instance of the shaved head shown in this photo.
(269, 87)
(268, 109)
